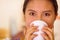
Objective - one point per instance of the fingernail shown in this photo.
(37, 29)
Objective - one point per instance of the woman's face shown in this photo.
(40, 10)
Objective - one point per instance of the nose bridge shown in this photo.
(39, 17)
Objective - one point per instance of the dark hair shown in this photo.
(54, 2)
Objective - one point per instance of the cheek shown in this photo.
(28, 20)
(50, 22)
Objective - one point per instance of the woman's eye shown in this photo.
(47, 14)
(32, 14)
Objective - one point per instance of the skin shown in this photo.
(39, 10)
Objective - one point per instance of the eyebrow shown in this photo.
(32, 10)
(42, 12)
(47, 11)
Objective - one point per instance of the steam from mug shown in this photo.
(40, 24)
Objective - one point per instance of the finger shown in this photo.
(32, 29)
(30, 32)
(50, 34)
(47, 28)
(26, 37)
(30, 26)
(33, 36)
(25, 30)
(45, 37)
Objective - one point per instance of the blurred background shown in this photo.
(11, 18)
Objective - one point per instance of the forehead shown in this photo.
(45, 2)
(39, 0)
(40, 5)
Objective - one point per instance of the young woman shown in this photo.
(45, 10)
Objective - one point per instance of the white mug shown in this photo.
(40, 24)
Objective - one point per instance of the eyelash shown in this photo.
(47, 14)
(32, 14)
